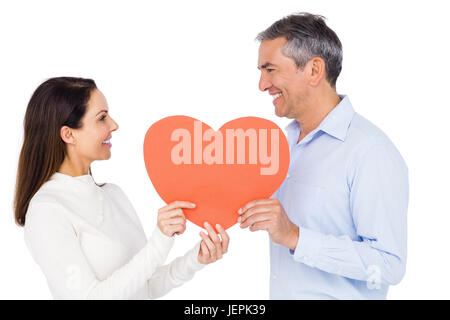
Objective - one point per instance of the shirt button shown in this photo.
(288, 175)
(274, 277)
(305, 257)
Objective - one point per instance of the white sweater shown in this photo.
(90, 244)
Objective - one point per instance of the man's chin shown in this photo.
(281, 113)
(278, 112)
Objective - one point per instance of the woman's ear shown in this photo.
(66, 135)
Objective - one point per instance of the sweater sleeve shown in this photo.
(54, 245)
(174, 274)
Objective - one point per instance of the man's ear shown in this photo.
(67, 135)
(317, 71)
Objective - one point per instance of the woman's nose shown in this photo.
(115, 125)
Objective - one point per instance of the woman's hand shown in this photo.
(213, 247)
(171, 219)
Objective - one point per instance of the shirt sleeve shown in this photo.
(173, 275)
(54, 245)
(378, 203)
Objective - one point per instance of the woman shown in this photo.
(87, 238)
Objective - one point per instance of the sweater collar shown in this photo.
(86, 191)
(86, 178)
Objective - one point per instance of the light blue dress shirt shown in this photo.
(347, 190)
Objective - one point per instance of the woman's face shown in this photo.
(96, 130)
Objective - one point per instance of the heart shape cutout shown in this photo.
(219, 171)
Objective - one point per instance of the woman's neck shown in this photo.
(73, 168)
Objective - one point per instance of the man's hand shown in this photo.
(269, 215)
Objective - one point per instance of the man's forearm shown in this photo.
(357, 260)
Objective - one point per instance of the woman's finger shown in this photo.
(212, 234)
(209, 244)
(175, 229)
(204, 249)
(215, 239)
(225, 238)
(173, 221)
(171, 213)
(176, 221)
(176, 205)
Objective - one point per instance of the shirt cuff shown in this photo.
(308, 247)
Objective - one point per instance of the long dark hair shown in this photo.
(55, 103)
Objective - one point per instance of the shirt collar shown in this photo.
(336, 123)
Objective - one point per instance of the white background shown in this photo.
(155, 59)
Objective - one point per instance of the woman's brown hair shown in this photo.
(55, 103)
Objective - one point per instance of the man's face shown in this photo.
(280, 76)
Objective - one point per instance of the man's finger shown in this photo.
(257, 218)
(254, 210)
(253, 203)
(262, 225)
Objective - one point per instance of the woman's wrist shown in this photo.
(162, 239)
(193, 258)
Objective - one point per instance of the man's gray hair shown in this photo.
(308, 36)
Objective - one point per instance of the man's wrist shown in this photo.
(293, 237)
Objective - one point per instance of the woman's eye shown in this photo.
(102, 118)
(269, 70)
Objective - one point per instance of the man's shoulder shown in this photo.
(364, 134)
(365, 137)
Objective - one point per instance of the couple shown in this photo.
(337, 224)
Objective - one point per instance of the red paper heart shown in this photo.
(196, 174)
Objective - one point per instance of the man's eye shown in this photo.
(269, 70)
(102, 118)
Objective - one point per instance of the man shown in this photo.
(337, 224)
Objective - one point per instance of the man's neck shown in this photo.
(316, 109)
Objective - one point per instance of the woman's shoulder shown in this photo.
(48, 194)
(44, 212)
(119, 198)
(111, 187)
(69, 199)
(115, 192)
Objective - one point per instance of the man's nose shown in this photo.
(264, 84)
